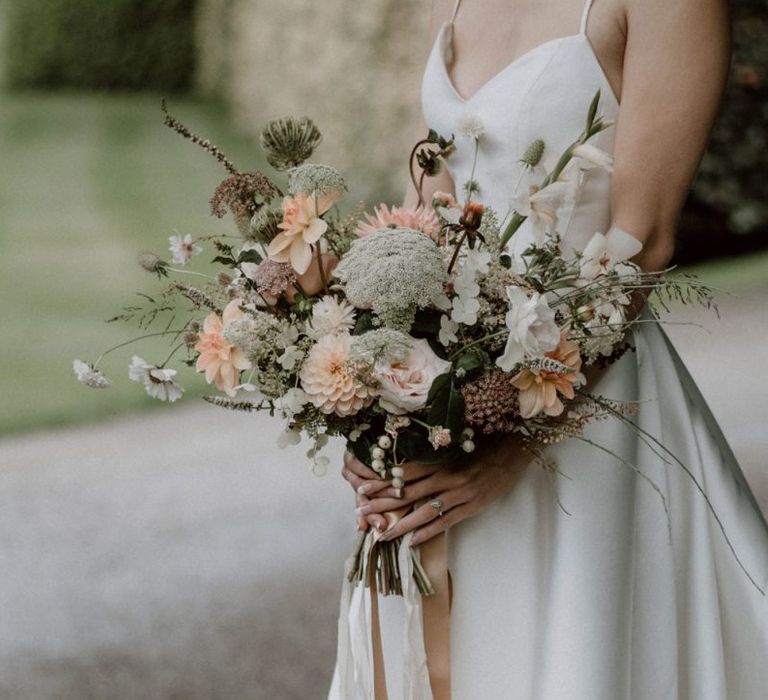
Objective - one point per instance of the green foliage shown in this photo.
(100, 44)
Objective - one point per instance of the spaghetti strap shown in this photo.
(455, 11)
(584, 16)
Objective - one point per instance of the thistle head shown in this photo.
(289, 142)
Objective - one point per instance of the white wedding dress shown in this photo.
(596, 603)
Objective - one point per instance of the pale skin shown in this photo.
(667, 61)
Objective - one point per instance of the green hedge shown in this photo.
(100, 44)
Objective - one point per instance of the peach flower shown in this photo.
(539, 390)
(219, 359)
(419, 219)
(330, 381)
(302, 227)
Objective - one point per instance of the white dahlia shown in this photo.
(331, 381)
(330, 316)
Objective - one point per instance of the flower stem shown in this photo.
(172, 353)
(189, 272)
(491, 336)
(320, 267)
(133, 340)
(416, 184)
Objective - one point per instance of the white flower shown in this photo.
(469, 126)
(478, 260)
(288, 336)
(603, 252)
(158, 382)
(439, 436)
(593, 157)
(448, 328)
(331, 316)
(183, 248)
(465, 310)
(532, 328)
(290, 357)
(542, 206)
(404, 386)
(89, 376)
(293, 402)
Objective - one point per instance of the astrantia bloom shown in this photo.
(159, 382)
(532, 328)
(183, 248)
(89, 376)
(331, 381)
(419, 219)
(219, 359)
(329, 315)
(540, 391)
(270, 277)
(301, 228)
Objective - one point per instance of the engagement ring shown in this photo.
(437, 504)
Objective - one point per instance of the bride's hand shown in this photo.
(367, 483)
(463, 490)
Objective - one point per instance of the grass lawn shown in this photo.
(87, 182)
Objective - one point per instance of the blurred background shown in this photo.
(151, 553)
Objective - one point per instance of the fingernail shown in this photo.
(363, 510)
(398, 493)
(378, 526)
(365, 488)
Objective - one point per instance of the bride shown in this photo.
(593, 600)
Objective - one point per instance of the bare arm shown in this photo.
(441, 12)
(675, 67)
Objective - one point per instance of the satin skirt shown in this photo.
(592, 586)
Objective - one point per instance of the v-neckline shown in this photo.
(439, 45)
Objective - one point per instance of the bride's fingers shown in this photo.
(354, 465)
(424, 514)
(413, 470)
(375, 520)
(438, 525)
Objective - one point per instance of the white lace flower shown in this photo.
(532, 328)
(330, 316)
(183, 248)
(159, 383)
(448, 328)
(89, 376)
(469, 126)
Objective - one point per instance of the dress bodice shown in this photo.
(543, 94)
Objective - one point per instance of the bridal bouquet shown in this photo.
(411, 333)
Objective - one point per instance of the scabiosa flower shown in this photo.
(158, 382)
(289, 142)
(183, 248)
(219, 359)
(394, 272)
(89, 376)
(270, 277)
(331, 381)
(539, 389)
(469, 126)
(491, 403)
(419, 219)
(329, 316)
(301, 228)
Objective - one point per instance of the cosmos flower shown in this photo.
(158, 382)
(183, 248)
(89, 376)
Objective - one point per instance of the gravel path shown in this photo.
(147, 559)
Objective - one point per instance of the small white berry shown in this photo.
(377, 453)
(398, 483)
(385, 442)
(398, 471)
(468, 446)
(378, 465)
(468, 433)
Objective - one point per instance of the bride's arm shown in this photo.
(675, 66)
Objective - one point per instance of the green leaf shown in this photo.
(364, 323)
(412, 444)
(447, 408)
(472, 359)
(438, 384)
(592, 111)
(251, 256)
